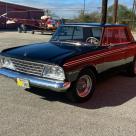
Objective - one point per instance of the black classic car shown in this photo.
(72, 59)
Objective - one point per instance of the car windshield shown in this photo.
(77, 34)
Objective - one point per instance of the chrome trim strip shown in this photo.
(58, 86)
(130, 59)
(107, 65)
(95, 57)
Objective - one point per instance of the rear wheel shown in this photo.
(24, 28)
(42, 32)
(19, 29)
(33, 32)
(132, 68)
(83, 88)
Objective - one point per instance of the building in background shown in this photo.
(17, 11)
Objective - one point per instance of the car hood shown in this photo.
(49, 52)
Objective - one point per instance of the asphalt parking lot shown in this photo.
(110, 112)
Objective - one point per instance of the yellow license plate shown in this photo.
(23, 83)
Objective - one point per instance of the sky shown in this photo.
(67, 8)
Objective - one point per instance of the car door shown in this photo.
(131, 46)
(115, 48)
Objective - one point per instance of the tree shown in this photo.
(124, 14)
(49, 13)
(87, 17)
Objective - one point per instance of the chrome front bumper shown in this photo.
(58, 86)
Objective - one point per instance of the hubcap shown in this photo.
(84, 86)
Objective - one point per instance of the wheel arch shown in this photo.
(72, 92)
(90, 67)
(73, 75)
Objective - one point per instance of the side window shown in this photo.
(107, 37)
(65, 33)
(97, 32)
(115, 35)
(121, 36)
(78, 33)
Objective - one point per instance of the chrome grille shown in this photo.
(28, 67)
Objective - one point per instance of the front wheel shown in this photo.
(83, 88)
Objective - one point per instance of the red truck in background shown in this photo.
(45, 24)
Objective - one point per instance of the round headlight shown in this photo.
(54, 72)
(7, 63)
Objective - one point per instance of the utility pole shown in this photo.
(115, 11)
(6, 14)
(133, 14)
(84, 7)
(104, 11)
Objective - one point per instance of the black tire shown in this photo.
(33, 32)
(42, 32)
(24, 28)
(74, 93)
(19, 30)
(132, 69)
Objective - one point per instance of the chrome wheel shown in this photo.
(83, 88)
(84, 85)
